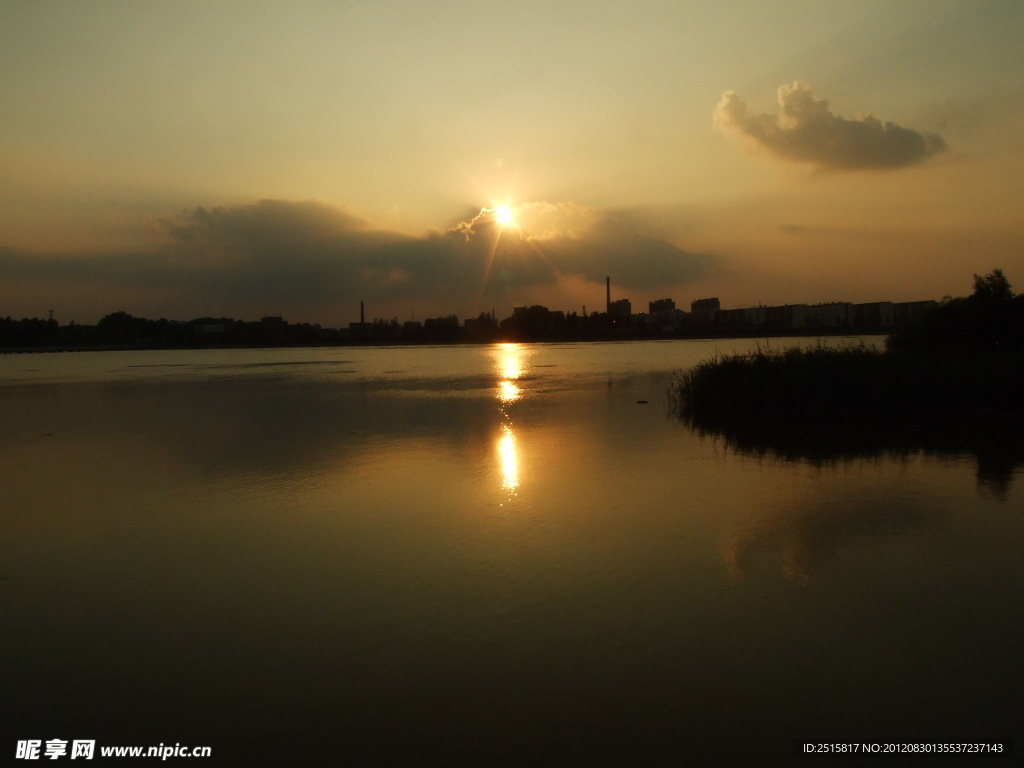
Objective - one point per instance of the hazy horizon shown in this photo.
(248, 159)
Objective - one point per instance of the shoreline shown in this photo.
(511, 339)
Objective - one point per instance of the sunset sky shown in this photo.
(243, 157)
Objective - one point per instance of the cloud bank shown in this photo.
(805, 130)
(316, 262)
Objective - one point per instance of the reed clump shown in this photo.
(859, 385)
(785, 383)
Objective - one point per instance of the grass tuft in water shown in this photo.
(847, 384)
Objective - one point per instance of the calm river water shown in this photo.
(483, 555)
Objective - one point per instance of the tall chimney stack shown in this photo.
(608, 295)
(362, 316)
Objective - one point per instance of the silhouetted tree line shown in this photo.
(991, 319)
(122, 330)
(538, 323)
(959, 369)
(29, 332)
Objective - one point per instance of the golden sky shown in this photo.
(243, 157)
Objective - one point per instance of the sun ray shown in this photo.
(489, 263)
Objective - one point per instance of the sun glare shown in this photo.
(503, 215)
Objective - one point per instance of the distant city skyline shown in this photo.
(613, 307)
(250, 158)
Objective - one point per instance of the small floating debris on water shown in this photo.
(641, 402)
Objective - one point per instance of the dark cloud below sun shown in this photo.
(315, 262)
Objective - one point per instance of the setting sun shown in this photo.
(503, 215)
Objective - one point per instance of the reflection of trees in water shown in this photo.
(809, 535)
(996, 445)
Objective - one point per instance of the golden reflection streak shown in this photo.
(510, 365)
(509, 460)
(508, 392)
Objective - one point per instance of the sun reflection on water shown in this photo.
(508, 392)
(511, 361)
(509, 460)
(510, 366)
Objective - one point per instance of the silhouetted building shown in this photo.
(910, 311)
(273, 329)
(875, 314)
(670, 321)
(703, 314)
(620, 308)
(535, 322)
(441, 328)
(740, 320)
(786, 318)
(836, 314)
(705, 305)
(482, 327)
(661, 305)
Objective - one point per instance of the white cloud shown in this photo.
(805, 130)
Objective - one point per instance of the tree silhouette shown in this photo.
(993, 288)
(990, 319)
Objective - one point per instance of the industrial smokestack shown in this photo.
(362, 317)
(608, 295)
